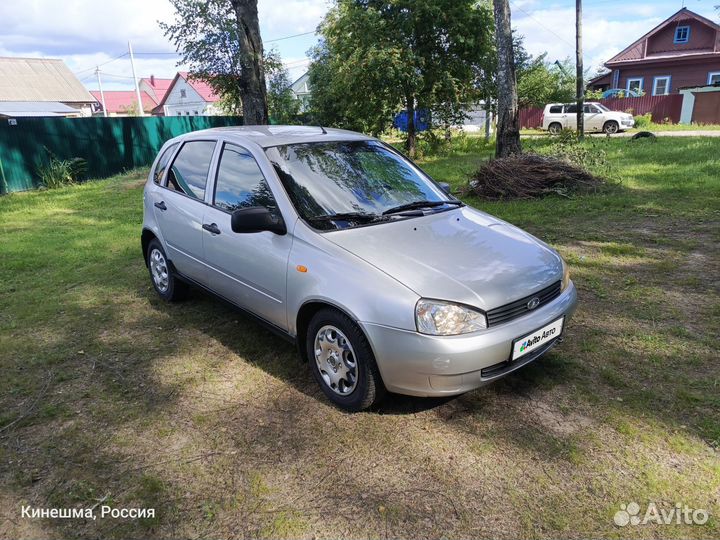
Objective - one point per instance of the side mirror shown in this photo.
(445, 187)
(257, 219)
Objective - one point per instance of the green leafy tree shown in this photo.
(220, 41)
(283, 106)
(378, 56)
(541, 82)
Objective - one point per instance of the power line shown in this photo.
(101, 64)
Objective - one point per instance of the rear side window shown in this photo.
(240, 182)
(556, 109)
(570, 108)
(189, 171)
(163, 163)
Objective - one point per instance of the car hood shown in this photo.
(462, 255)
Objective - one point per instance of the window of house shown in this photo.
(240, 182)
(635, 84)
(682, 34)
(188, 173)
(163, 163)
(195, 113)
(661, 85)
(556, 109)
(714, 77)
(183, 93)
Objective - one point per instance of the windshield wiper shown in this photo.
(420, 204)
(348, 216)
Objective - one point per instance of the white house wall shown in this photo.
(191, 105)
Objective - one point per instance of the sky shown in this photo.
(86, 34)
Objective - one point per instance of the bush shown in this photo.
(643, 121)
(61, 172)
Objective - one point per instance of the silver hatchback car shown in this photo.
(334, 239)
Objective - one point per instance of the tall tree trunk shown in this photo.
(508, 122)
(411, 132)
(253, 91)
(579, 83)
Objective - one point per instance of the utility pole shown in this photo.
(102, 94)
(141, 112)
(580, 83)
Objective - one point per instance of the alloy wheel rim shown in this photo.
(159, 270)
(335, 360)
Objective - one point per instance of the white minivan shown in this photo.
(598, 118)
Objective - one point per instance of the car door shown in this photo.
(179, 207)
(570, 117)
(249, 269)
(593, 118)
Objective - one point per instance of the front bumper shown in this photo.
(421, 365)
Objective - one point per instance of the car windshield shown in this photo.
(602, 107)
(342, 184)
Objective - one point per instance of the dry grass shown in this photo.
(201, 414)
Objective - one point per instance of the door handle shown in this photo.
(161, 205)
(212, 228)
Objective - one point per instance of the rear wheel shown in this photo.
(166, 284)
(611, 127)
(342, 361)
(554, 128)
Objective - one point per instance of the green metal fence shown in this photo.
(109, 145)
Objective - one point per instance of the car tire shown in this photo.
(164, 281)
(611, 127)
(554, 128)
(342, 361)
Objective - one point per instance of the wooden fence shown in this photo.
(662, 108)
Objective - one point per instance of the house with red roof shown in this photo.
(187, 96)
(681, 52)
(155, 87)
(123, 102)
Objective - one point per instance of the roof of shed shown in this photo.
(40, 79)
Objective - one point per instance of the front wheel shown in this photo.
(611, 127)
(342, 361)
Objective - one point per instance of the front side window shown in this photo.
(365, 181)
(240, 182)
(163, 163)
(682, 34)
(661, 86)
(635, 85)
(189, 171)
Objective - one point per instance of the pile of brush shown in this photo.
(528, 176)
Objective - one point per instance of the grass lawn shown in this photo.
(108, 394)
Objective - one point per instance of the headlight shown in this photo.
(439, 318)
(566, 276)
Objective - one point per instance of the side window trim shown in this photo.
(216, 168)
(172, 162)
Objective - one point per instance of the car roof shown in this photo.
(267, 136)
(574, 103)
